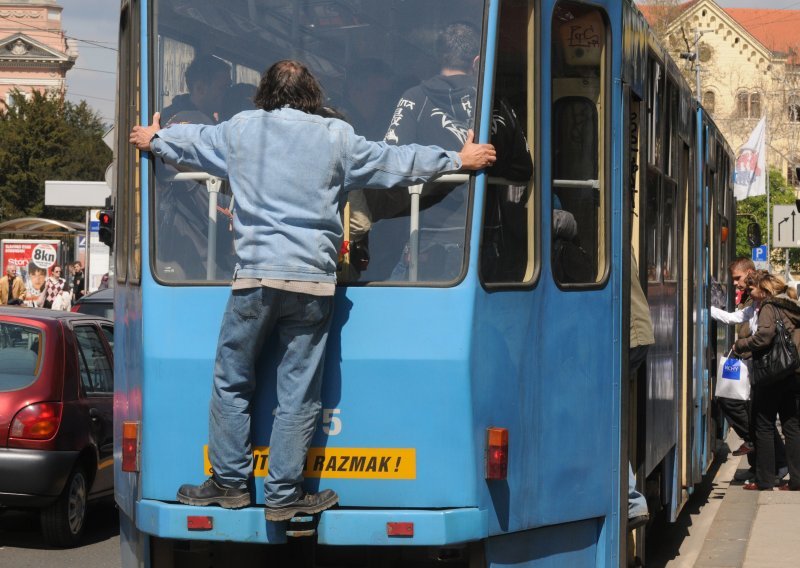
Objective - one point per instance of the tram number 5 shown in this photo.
(331, 423)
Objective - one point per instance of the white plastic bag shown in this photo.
(733, 378)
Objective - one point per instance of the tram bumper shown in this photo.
(337, 527)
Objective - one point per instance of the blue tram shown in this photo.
(476, 408)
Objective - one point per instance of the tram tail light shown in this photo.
(130, 446)
(496, 453)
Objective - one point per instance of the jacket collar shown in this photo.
(783, 302)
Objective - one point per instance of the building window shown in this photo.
(748, 105)
(793, 109)
(709, 101)
(791, 176)
(755, 105)
(742, 100)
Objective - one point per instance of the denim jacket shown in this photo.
(289, 171)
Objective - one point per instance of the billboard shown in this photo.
(33, 259)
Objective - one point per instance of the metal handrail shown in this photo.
(213, 186)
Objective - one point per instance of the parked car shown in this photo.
(56, 412)
(99, 303)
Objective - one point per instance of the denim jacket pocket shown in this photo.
(247, 303)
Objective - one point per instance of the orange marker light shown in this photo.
(496, 453)
(199, 523)
(130, 446)
(400, 529)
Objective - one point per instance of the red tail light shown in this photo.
(74, 308)
(130, 446)
(496, 453)
(38, 421)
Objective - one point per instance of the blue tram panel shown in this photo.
(416, 372)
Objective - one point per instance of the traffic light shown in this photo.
(106, 232)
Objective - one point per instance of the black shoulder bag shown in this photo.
(779, 361)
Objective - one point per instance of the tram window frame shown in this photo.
(651, 225)
(126, 154)
(669, 231)
(600, 252)
(479, 21)
(532, 266)
(655, 106)
(135, 210)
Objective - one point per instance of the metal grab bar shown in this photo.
(577, 183)
(415, 191)
(213, 185)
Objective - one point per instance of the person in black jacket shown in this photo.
(441, 111)
(78, 281)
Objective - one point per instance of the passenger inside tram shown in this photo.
(182, 231)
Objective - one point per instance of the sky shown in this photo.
(93, 78)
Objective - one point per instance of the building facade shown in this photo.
(749, 67)
(35, 55)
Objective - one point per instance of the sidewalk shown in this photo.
(751, 529)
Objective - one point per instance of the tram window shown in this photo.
(368, 65)
(125, 155)
(652, 225)
(669, 259)
(656, 103)
(507, 243)
(672, 130)
(580, 202)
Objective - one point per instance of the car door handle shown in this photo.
(94, 414)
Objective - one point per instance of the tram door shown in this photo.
(660, 399)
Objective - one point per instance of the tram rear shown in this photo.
(472, 407)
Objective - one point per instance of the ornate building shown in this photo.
(750, 67)
(34, 52)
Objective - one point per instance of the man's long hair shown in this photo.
(289, 83)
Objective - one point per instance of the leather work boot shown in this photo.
(308, 504)
(212, 493)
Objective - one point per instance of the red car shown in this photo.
(56, 412)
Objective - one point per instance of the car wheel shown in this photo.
(63, 521)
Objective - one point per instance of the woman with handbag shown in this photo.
(776, 382)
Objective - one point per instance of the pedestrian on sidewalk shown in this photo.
(779, 398)
(738, 412)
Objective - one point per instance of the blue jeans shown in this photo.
(301, 322)
(637, 504)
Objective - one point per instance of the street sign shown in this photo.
(760, 254)
(785, 227)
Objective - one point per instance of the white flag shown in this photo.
(750, 174)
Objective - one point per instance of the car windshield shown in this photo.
(379, 62)
(20, 356)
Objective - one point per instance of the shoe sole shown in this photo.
(637, 522)
(286, 513)
(224, 502)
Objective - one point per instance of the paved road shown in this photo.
(22, 546)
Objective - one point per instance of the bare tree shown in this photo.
(660, 14)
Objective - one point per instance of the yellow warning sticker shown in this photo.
(344, 463)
